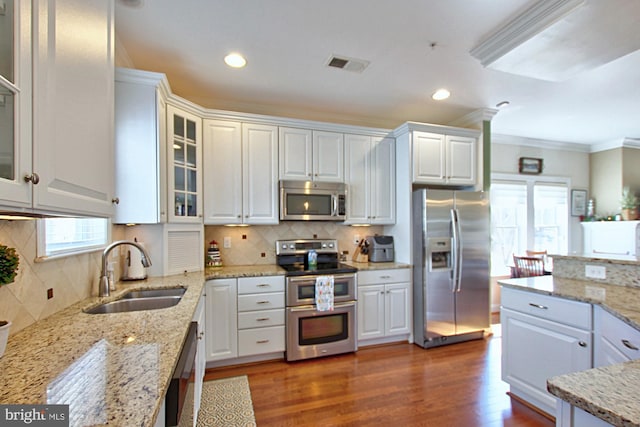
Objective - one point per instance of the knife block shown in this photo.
(358, 256)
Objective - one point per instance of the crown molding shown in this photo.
(526, 25)
(539, 143)
(475, 118)
(616, 143)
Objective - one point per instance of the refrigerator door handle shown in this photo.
(457, 251)
(454, 251)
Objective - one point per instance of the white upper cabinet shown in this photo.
(444, 159)
(295, 154)
(141, 147)
(240, 173)
(15, 114)
(68, 158)
(184, 131)
(307, 155)
(370, 177)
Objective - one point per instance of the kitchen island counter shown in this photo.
(113, 369)
(609, 393)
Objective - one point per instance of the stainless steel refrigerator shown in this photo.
(451, 246)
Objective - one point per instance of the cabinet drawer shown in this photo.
(572, 313)
(260, 319)
(256, 285)
(261, 340)
(623, 336)
(371, 277)
(260, 301)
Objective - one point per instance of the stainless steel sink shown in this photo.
(146, 299)
(134, 304)
(154, 293)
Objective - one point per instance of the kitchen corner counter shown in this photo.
(364, 266)
(233, 271)
(610, 393)
(111, 368)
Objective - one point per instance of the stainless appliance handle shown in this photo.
(311, 280)
(336, 306)
(457, 251)
(334, 200)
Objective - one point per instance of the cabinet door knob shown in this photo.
(115, 200)
(33, 178)
(582, 343)
(239, 216)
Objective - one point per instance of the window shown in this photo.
(527, 213)
(68, 236)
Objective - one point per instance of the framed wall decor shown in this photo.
(578, 202)
(530, 165)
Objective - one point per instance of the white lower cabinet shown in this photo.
(568, 415)
(221, 319)
(614, 340)
(542, 336)
(383, 304)
(245, 317)
(201, 357)
(260, 315)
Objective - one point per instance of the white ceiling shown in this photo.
(414, 47)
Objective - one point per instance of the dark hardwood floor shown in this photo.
(394, 385)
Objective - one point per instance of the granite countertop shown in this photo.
(228, 272)
(111, 368)
(364, 266)
(610, 393)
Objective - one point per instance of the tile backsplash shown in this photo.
(25, 301)
(75, 278)
(256, 244)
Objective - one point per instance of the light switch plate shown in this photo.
(227, 242)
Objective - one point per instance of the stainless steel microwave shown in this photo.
(309, 201)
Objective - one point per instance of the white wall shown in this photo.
(559, 160)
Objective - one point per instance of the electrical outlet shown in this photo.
(595, 271)
(227, 242)
(595, 293)
(356, 239)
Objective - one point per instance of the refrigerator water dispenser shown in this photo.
(439, 251)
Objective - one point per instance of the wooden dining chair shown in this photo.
(527, 266)
(537, 254)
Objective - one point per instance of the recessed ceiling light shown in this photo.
(502, 104)
(235, 60)
(441, 94)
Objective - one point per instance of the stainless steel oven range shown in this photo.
(312, 333)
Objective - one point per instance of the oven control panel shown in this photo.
(302, 246)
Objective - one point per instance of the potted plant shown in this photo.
(9, 261)
(629, 205)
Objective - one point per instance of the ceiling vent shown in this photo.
(347, 64)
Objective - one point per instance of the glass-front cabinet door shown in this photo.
(15, 102)
(185, 171)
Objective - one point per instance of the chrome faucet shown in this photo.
(103, 286)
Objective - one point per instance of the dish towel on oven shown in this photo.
(324, 293)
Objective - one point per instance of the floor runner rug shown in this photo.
(226, 402)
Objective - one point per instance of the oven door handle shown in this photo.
(313, 307)
(312, 280)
